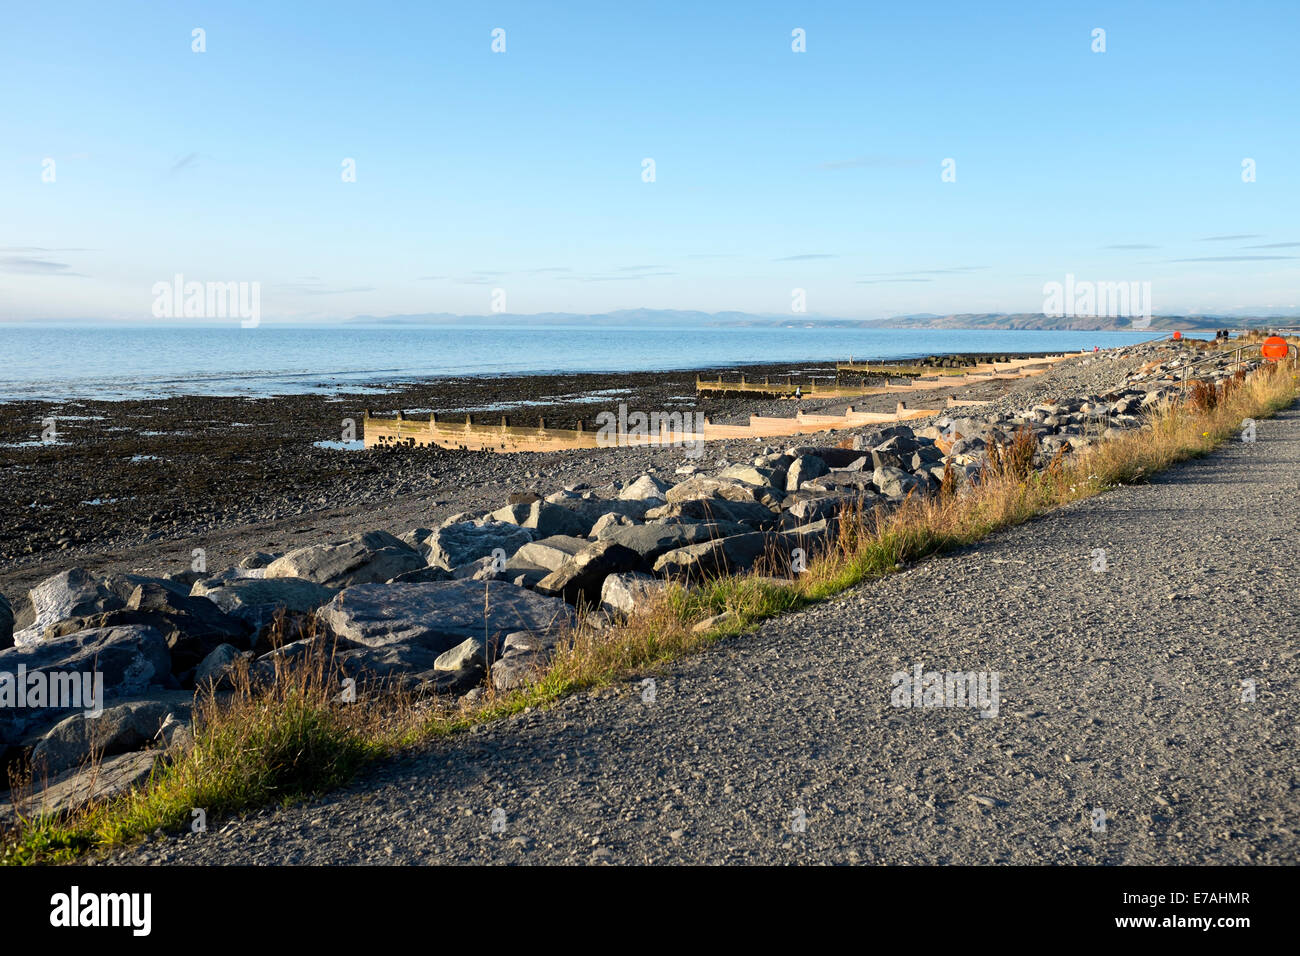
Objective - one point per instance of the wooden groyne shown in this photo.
(399, 431)
(789, 388)
(903, 368)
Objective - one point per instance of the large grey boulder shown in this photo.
(579, 579)
(707, 486)
(6, 623)
(218, 667)
(771, 479)
(76, 787)
(645, 488)
(833, 457)
(293, 653)
(896, 483)
(923, 457)
(209, 582)
(361, 559)
(255, 601)
(529, 642)
(774, 459)
(489, 568)
(438, 615)
(627, 594)
(649, 541)
(866, 441)
(416, 537)
(803, 469)
(126, 659)
(892, 453)
(71, 593)
(842, 480)
(730, 489)
(404, 663)
(514, 513)
(810, 510)
(421, 576)
(516, 670)
(526, 575)
(469, 653)
(967, 446)
(256, 561)
(814, 538)
(723, 556)
(548, 553)
(607, 523)
(458, 544)
(590, 507)
(127, 726)
(955, 429)
(751, 513)
(545, 518)
(191, 626)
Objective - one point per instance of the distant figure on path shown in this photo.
(798, 392)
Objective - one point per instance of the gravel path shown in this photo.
(1121, 693)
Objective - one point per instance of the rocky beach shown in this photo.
(136, 485)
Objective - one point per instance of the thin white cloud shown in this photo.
(26, 265)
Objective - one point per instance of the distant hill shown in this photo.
(676, 318)
(1034, 320)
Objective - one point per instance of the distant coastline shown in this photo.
(971, 321)
(123, 362)
(687, 319)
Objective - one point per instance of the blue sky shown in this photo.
(522, 170)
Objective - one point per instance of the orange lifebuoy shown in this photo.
(1274, 348)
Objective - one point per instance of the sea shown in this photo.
(122, 362)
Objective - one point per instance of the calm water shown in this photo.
(62, 362)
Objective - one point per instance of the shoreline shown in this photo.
(379, 388)
(136, 485)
